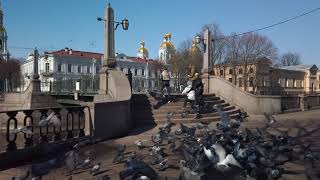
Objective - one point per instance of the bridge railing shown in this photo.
(22, 129)
(145, 84)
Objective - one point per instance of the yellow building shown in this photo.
(261, 78)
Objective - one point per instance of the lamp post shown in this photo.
(206, 41)
(109, 51)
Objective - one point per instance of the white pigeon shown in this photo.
(224, 161)
(212, 157)
(95, 168)
(139, 143)
(143, 178)
(24, 129)
(51, 119)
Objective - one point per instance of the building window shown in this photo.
(251, 70)
(230, 71)
(69, 67)
(59, 67)
(79, 69)
(286, 82)
(136, 72)
(97, 69)
(251, 82)
(230, 79)
(240, 82)
(88, 69)
(294, 83)
(142, 72)
(47, 67)
(302, 83)
(221, 72)
(240, 71)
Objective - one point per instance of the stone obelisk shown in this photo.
(207, 61)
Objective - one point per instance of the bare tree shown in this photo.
(10, 74)
(289, 59)
(253, 47)
(219, 42)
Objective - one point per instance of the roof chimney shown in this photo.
(66, 49)
(70, 51)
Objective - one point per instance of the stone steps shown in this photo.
(143, 111)
(174, 105)
(186, 120)
(178, 109)
(163, 116)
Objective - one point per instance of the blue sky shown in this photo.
(55, 24)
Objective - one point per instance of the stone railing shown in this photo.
(24, 136)
(71, 124)
(253, 104)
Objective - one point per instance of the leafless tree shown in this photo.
(289, 59)
(219, 42)
(10, 73)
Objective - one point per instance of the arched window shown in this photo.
(1, 45)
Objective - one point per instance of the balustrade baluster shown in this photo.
(70, 131)
(44, 135)
(11, 142)
(28, 138)
(57, 134)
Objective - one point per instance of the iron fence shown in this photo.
(290, 103)
(144, 84)
(23, 129)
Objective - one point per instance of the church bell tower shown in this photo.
(4, 54)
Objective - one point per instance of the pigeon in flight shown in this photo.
(51, 119)
(24, 129)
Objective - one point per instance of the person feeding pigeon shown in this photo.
(190, 95)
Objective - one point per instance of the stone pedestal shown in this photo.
(205, 80)
(35, 85)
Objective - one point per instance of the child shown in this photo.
(190, 95)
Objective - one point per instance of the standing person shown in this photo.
(197, 86)
(165, 80)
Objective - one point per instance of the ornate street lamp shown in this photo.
(124, 23)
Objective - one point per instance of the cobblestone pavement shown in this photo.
(304, 125)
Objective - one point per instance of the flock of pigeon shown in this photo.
(204, 150)
(211, 150)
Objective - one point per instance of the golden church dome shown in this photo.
(167, 44)
(143, 50)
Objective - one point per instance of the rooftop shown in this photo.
(301, 67)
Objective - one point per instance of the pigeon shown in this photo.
(271, 120)
(136, 166)
(51, 119)
(95, 168)
(143, 178)
(71, 160)
(210, 155)
(163, 165)
(157, 139)
(24, 129)
(224, 161)
(139, 143)
(224, 123)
